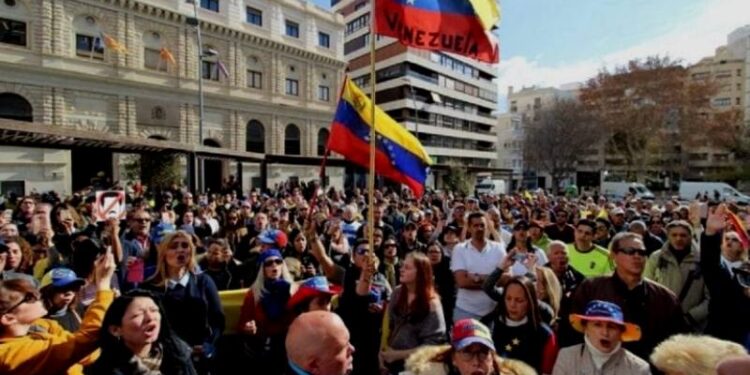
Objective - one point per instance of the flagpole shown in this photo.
(373, 134)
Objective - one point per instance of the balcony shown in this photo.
(423, 77)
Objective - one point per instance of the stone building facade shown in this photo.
(284, 61)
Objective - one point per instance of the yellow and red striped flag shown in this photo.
(736, 223)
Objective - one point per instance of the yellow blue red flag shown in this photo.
(398, 156)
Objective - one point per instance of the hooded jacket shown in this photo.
(427, 361)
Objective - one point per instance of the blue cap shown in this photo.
(270, 253)
(61, 278)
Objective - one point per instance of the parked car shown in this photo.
(716, 190)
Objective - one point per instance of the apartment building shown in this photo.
(283, 61)
(446, 100)
(727, 70)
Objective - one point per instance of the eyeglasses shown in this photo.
(390, 245)
(271, 262)
(141, 219)
(28, 298)
(633, 251)
(481, 354)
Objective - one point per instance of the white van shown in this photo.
(690, 189)
(489, 186)
(618, 190)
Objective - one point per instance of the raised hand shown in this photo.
(717, 220)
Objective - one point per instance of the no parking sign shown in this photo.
(109, 205)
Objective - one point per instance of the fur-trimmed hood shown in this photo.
(427, 360)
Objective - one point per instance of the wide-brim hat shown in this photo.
(311, 288)
(603, 311)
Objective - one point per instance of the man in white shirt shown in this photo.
(471, 263)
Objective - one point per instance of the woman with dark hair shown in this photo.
(19, 256)
(135, 340)
(519, 331)
(298, 249)
(445, 283)
(415, 317)
(520, 247)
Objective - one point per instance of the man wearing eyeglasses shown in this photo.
(137, 247)
(649, 305)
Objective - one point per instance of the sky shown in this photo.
(555, 42)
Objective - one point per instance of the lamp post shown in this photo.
(202, 54)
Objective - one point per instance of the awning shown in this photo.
(19, 133)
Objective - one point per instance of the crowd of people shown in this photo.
(285, 282)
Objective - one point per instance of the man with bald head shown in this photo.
(318, 344)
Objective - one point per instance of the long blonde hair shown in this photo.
(551, 285)
(259, 285)
(161, 275)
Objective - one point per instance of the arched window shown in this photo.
(15, 107)
(322, 141)
(255, 137)
(291, 140)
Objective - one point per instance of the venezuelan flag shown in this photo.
(457, 26)
(398, 156)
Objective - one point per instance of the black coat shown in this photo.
(649, 305)
(175, 362)
(728, 307)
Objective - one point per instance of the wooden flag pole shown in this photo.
(373, 135)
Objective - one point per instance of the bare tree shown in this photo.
(654, 114)
(562, 137)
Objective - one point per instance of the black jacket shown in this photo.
(728, 307)
(177, 362)
(649, 305)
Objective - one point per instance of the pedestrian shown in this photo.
(471, 352)
(136, 339)
(604, 329)
(318, 344)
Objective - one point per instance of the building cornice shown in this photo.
(174, 16)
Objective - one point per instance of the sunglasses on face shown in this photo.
(271, 262)
(390, 245)
(633, 251)
(179, 245)
(28, 298)
(361, 251)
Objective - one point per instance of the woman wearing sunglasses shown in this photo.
(191, 300)
(31, 345)
(264, 318)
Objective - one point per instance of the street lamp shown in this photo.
(202, 54)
